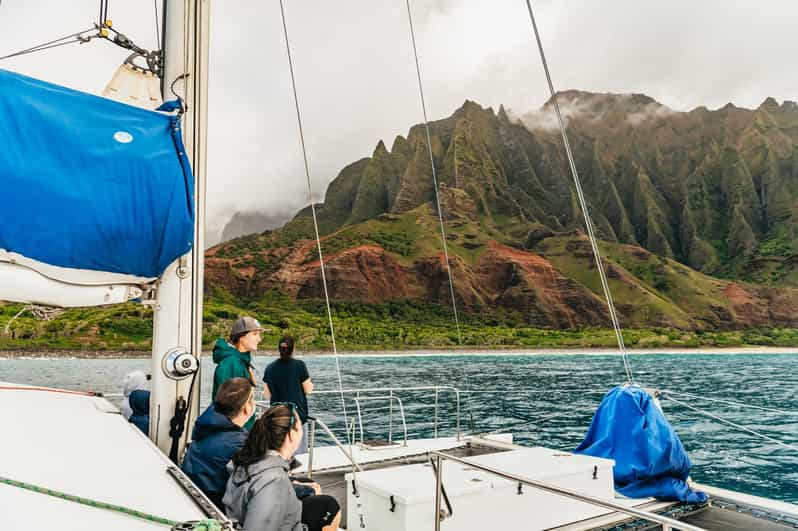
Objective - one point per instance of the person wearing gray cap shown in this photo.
(234, 358)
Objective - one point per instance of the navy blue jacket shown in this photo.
(139, 401)
(214, 441)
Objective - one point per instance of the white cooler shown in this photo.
(402, 498)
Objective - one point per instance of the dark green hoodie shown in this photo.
(230, 363)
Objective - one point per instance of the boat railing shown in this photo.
(391, 396)
(668, 524)
(312, 439)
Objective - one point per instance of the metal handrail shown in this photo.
(335, 440)
(436, 388)
(667, 523)
(390, 398)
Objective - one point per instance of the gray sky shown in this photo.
(356, 77)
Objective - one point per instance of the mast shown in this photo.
(177, 319)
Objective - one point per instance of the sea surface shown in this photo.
(544, 400)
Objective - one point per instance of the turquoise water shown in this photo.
(544, 399)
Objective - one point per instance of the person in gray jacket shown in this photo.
(260, 494)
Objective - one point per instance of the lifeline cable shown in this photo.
(49, 390)
(437, 198)
(583, 204)
(733, 424)
(728, 402)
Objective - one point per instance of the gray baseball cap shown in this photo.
(245, 324)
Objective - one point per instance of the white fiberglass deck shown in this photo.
(80, 445)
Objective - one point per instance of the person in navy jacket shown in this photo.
(218, 434)
(139, 401)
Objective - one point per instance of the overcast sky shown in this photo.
(356, 77)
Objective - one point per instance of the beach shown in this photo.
(470, 351)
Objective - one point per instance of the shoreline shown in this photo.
(429, 352)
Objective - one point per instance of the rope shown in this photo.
(734, 424)
(437, 199)
(730, 403)
(204, 525)
(77, 38)
(583, 204)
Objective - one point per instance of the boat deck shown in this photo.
(333, 465)
(81, 445)
(727, 511)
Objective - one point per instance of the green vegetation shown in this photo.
(387, 326)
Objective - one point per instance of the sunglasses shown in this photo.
(294, 411)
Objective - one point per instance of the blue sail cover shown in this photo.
(90, 183)
(649, 457)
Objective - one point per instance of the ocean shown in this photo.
(544, 400)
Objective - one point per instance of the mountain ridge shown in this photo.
(709, 191)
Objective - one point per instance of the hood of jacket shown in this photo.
(212, 422)
(270, 467)
(222, 349)
(140, 402)
(133, 381)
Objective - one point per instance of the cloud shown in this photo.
(356, 78)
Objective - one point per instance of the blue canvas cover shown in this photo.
(90, 183)
(649, 457)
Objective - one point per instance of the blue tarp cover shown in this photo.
(90, 183)
(650, 460)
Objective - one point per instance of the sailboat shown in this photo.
(62, 466)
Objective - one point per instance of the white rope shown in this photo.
(733, 424)
(729, 402)
(583, 204)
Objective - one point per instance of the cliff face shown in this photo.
(503, 277)
(700, 191)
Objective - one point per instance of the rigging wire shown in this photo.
(732, 424)
(104, 12)
(437, 197)
(313, 209)
(321, 260)
(434, 173)
(728, 402)
(583, 204)
(79, 37)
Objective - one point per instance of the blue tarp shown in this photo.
(90, 183)
(650, 460)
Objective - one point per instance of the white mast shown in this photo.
(177, 320)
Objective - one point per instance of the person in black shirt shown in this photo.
(287, 380)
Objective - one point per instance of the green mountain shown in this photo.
(694, 209)
(696, 212)
(713, 189)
